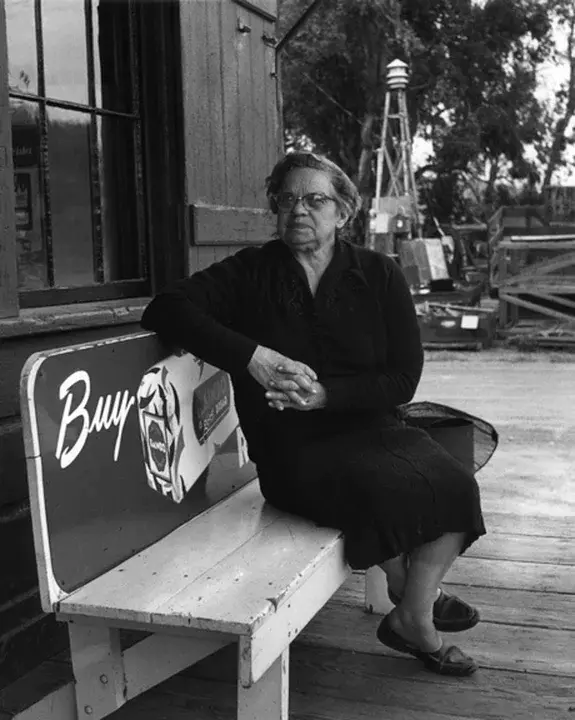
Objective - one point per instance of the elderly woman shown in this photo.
(322, 343)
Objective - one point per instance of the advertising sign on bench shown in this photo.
(117, 469)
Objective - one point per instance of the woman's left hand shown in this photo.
(277, 398)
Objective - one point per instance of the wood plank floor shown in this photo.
(521, 576)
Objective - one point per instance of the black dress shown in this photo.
(355, 464)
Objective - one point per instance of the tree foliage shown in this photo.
(552, 148)
(472, 94)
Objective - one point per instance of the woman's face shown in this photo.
(307, 229)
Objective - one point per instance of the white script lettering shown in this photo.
(111, 411)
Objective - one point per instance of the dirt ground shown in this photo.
(530, 399)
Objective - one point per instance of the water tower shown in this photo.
(394, 212)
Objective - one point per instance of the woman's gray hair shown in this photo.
(347, 195)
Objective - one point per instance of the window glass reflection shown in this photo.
(78, 172)
(22, 68)
(70, 197)
(65, 58)
(30, 245)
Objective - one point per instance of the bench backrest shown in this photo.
(123, 444)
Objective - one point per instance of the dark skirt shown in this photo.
(389, 487)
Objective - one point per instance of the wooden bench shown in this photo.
(147, 515)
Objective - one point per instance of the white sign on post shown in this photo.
(470, 322)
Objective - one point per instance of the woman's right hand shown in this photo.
(269, 367)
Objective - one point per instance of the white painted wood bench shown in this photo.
(184, 547)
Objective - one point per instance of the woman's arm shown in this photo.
(397, 385)
(198, 314)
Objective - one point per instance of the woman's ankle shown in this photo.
(416, 618)
(416, 629)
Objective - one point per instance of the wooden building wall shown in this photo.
(232, 132)
(232, 139)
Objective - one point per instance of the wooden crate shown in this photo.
(456, 327)
(536, 275)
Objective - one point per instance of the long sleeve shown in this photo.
(198, 314)
(386, 389)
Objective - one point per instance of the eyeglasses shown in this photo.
(311, 201)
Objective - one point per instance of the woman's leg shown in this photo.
(428, 564)
(395, 570)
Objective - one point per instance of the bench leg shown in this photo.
(376, 599)
(98, 670)
(268, 698)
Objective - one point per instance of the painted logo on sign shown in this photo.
(158, 445)
(162, 433)
(186, 414)
(210, 404)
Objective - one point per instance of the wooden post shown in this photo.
(268, 697)
(503, 305)
(514, 269)
(376, 599)
(98, 670)
(8, 267)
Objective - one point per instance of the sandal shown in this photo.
(450, 613)
(448, 660)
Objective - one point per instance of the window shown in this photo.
(76, 137)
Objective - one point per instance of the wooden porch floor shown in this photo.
(521, 576)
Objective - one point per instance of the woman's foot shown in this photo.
(445, 660)
(419, 633)
(450, 613)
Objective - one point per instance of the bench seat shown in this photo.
(227, 570)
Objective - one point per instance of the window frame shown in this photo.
(265, 8)
(11, 298)
(8, 263)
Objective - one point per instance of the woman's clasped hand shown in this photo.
(288, 383)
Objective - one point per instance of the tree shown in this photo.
(471, 95)
(565, 108)
(333, 78)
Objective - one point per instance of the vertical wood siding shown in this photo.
(232, 136)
